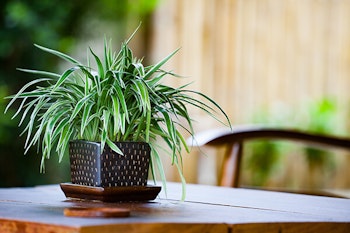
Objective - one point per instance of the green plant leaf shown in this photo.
(79, 105)
(85, 118)
(41, 73)
(148, 126)
(155, 67)
(63, 141)
(121, 98)
(27, 108)
(31, 123)
(214, 103)
(64, 76)
(19, 109)
(15, 97)
(113, 146)
(142, 90)
(156, 164)
(116, 116)
(133, 34)
(105, 120)
(107, 54)
(100, 68)
(60, 127)
(58, 54)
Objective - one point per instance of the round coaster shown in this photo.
(96, 212)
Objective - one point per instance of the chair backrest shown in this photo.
(234, 141)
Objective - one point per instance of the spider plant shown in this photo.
(119, 100)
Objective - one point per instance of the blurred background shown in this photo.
(274, 62)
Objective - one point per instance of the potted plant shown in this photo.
(97, 109)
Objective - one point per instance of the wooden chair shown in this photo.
(234, 142)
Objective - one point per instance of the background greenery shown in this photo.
(265, 158)
(60, 25)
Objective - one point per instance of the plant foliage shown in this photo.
(118, 100)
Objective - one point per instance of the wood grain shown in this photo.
(206, 209)
(291, 228)
(15, 226)
(158, 227)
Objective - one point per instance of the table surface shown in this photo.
(206, 209)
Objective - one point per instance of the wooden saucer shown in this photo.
(110, 194)
(96, 212)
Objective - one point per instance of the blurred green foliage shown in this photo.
(56, 24)
(322, 120)
(264, 156)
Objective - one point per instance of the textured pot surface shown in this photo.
(92, 167)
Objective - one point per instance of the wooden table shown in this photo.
(206, 209)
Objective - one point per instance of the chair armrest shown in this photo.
(219, 137)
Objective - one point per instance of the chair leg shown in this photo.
(231, 166)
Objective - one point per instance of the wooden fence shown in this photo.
(257, 54)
